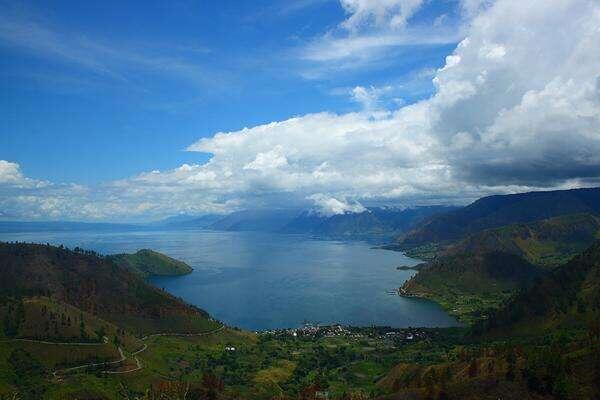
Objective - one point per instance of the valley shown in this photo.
(527, 294)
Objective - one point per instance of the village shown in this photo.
(315, 331)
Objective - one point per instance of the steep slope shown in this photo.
(496, 211)
(43, 318)
(569, 296)
(549, 242)
(94, 285)
(147, 262)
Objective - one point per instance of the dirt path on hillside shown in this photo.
(139, 366)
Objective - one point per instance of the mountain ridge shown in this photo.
(500, 210)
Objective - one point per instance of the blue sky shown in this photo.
(77, 115)
(136, 111)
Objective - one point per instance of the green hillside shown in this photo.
(480, 272)
(94, 285)
(543, 343)
(549, 242)
(147, 262)
(43, 318)
(568, 296)
(70, 315)
(470, 285)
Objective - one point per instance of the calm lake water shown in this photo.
(260, 281)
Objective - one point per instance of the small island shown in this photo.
(148, 263)
(410, 267)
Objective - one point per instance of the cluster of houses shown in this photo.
(312, 331)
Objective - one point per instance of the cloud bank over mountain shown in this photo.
(516, 107)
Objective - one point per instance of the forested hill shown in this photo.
(543, 344)
(569, 296)
(497, 211)
(477, 274)
(95, 285)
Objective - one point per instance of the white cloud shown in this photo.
(10, 173)
(373, 29)
(328, 206)
(369, 97)
(391, 13)
(472, 8)
(514, 109)
(269, 160)
(340, 52)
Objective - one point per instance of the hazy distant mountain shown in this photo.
(272, 220)
(188, 221)
(496, 211)
(375, 221)
(20, 226)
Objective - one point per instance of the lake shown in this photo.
(261, 281)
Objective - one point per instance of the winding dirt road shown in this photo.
(123, 357)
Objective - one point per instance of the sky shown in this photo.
(129, 111)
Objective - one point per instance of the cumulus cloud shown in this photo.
(499, 117)
(516, 107)
(369, 97)
(10, 173)
(328, 206)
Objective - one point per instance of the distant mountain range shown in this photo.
(267, 220)
(375, 222)
(187, 221)
(53, 226)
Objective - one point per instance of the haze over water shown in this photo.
(261, 281)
